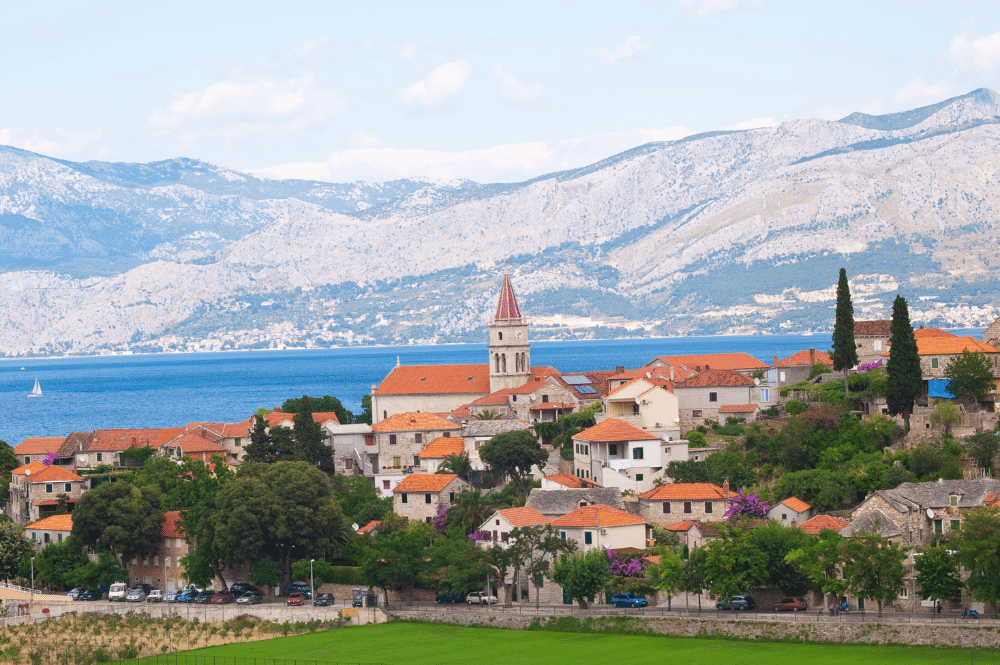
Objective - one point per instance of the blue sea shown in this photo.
(172, 390)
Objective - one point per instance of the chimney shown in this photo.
(725, 487)
(620, 368)
(812, 356)
(776, 361)
(671, 372)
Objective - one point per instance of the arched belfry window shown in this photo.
(500, 335)
(496, 359)
(503, 362)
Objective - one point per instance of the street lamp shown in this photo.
(32, 606)
(312, 592)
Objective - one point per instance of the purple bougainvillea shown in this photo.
(621, 566)
(864, 367)
(50, 459)
(440, 521)
(747, 505)
(480, 536)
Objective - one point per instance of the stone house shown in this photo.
(798, 366)
(791, 511)
(234, 437)
(105, 446)
(616, 454)
(398, 442)
(554, 503)
(37, 448)
(698, 533)
(598, 526)
(37, 490)
(701, 397)
(872, 338)
(938, 352)
(737, 362)
(477, 432)
(200, 444)
(421, 496)
(502, 522)
(437, 450)
(671, 502)
(647, 403)
(348, 442)
(992, 334)
(52, 529)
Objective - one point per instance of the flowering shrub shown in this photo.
(480, 536)
(746, 505)
(621, 566)
(864, 367)
(440, 521)
(50, 459)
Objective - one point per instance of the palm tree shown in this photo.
(458, 464)
(486, 414)
(470, 508)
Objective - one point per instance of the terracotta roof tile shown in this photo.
(613, 429)
(653, 558)
(196, 443)
(436, 379)
(425, 482)
(872, 328)
(171, 528)
(236, 430)
(657, 381)
(571, 481)
(715, 361)
(325, 416)
(442, 447)
(921, 333)
(737, 408)
(820, 522)
(371, 525)
(796, 504)
(53, 474)
(641, 372)
(951, 345)
(39, 445)
(683, 525)
(522, 517)
(716, 377)
(686, 492)
(53, 502)
(279, 418)
(414, 422)
(461, 412)
(114, 440)
(53, 523)
(498, 398)
(803, 358)
(598, 514)
(34, 467)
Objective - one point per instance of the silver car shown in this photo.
(135, 596)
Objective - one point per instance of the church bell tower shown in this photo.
(510, 353)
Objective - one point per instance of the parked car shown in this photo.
(205, 597)
(135, 596)
(74, 591)
(146, 588)
(324, 600)
(171, 597)
(241, 588)
(793, 604)
(88, 594)
(480, 598)
(118, 591)
(186, 596)
(738, 603)
(155, 596)
(222, 598)
(295, 598)
(447, 598)
(250, 598)
(628, 600)
(299, 587)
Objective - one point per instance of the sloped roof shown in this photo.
(571, 481)
(53, 523)
(598, 381)
(816, 524)
(460, 413)
(598, 515)
(613, 429)
(442, 447)
(371, 525)
(686, 492)
(39, 445)
(551, 406)
(714, 361)
(524, 516)
(234, 430)
(562, 501)
(491, 428)
(196, 443)
(656, 381)
(416, 421)
(507, 308)
(683, 525)
(642, 372)
(325, 416)
(921, 333)
(33, 467)
(498, 398)
(803, 358)
(170, 527)
(436, 380)
(872, 328)
(874, 522)
(716, 377)
(113, 440)
(951, 345)
(276, 418)
(738, 408)
(425, 482)
(798, 505)
(53, 474)
(937, 494)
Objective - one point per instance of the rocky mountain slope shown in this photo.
(720, 232)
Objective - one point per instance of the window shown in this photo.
(638, 477)
(955, 524)
(562, 534)
(27, 459)
(588, 538)
(586, 450)
(60, 537)
(100, 457)
(416, 461)
(427, 519)
(781, 376)
(48, 488)
(877, 344)
(687, 506)
(784, 516)
(696, 413)
(934, 363)
(427, 498)
(708, 507)
(545, 399)
(177, 543)
(156, 560)
(666, 451)
(637, 453)
(46, 538)
(904, 592)
(635, 409)
(385, 484)
(69, 487)
(503, 536)
(446, 435)
(612, 448)
(576, 449)
(392, 439)
(954, 500)
(418, 438)
(402, 498)
(396, 462)
(239, 442)
(666, 507)
(938, 528)
(713, 397)
(765, 395)
(451, 497)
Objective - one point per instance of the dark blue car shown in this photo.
(449, 598)
(187, 596)
(628, 600)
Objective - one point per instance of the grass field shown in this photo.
(434, 644)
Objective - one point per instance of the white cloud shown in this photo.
(363, 140)
(755, 123)
(247, 100)
(628, 48)
(512, 88)
(707, 7)
(978, 53)
(443, 82)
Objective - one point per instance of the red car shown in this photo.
(793, 604)
(295, 598)
(222, 598)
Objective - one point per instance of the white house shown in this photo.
(599, 526)
(616, 454)
(502, 522)
(790, 511)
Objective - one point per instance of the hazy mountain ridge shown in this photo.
(724, 231)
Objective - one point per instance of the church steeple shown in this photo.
(510, 352)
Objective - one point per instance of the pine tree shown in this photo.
(845, 349)
(905, 381)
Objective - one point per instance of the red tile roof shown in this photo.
(171, 528)
(571, 481)
(436, 380)
(325, 416)
(53, 523)
(196, 443)
(641, 372)
(500, 397)
(461, 412)
(657, 381)
(507, 308)
(613, 429)
(715, 361)
(278, 418)
(551, 406)
(425, 482)
(872, 328)
(798, 505)
(597, 514)
(522, 517)
(716, 377)
(820, 522)
(371, 525)
(414, 422)
(738, 408)
(39, 445)
(921, 333)
(683, 525)
(104, 440)
(54, 502)
(53, 474)
(236, 430)
(804, 358)
(442, 447)
(33, 467)
(951, 345)
(686, 492)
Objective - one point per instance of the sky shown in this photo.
(492, 92)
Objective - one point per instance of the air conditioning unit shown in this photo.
(604, 531)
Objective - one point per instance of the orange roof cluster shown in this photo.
(613, 430)
(715, 361)
(171, 527)
(820, 522)
(921, 333)
(804, 358)
(687, 492)
(39, 445)
(442, 447)
(796, 504)
(872, 328)
(716, 377)
(738, 408)
(522, 517)
(123, 439)
(436, 379)
(597, 515)
(677, 527)
(416, 421)
(53, 523)
(196, 443)
(571, 481)
(425, 482)
(951, 345)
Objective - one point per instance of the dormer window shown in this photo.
(954, 500)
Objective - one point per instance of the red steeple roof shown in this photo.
(507, 308)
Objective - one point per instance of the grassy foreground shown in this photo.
(436, 644)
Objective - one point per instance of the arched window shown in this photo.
(500, 335)
(496, 358)
(503, 361)
(517, 362)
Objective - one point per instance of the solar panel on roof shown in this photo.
(576, 380)
(586, 390)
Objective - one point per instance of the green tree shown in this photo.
(776, 541)
(308, 435)
(504, 562)
(978, 547)
(359, 500)
(543, 545)
(983, 447)
(819, 560)
(57, 561)
(457, 562)
(845, 349)
(903, 368)
(458, 464)
(733, 564)
(470, 509)
(512, 454)
(581, 575)
(945, 413)
(8, 462)
(873, 566)
(821, 488)
(487, 414)
(322, 571)
(265, 573)
(970, 375)
(13, 547)
(366, 411)
(693, 578)
(667, 575)
(396, 558)
(277, 511)
(937, 573)
(104, 572)
(324, 404)
(261, 448)
(120, 518)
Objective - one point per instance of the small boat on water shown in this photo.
(36, 391)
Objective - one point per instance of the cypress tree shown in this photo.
(845, 349)
(905, 380)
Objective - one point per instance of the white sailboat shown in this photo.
(37, 390)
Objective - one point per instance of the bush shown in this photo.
(696, 439)
(794, 407)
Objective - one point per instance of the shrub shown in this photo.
(794, 407)
(696, 438)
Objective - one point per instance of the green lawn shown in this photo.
(434, 644)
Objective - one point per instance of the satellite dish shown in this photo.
(756, 382)
(648, 375)
(607, 545)
(355, 526)
(531, 397)
(930, 514)
(677, 420)
(27, 472)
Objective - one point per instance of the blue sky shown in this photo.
(486, 91)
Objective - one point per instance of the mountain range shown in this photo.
(721, 232)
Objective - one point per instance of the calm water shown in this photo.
(171, 390)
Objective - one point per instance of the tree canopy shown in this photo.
(324, 404)
(845, 349)
(581, 575)
(873, 566)
(903, 368)
(978, 547)
(937, 573)
(121, 518)
(970, 375)
(512, 454)
(13, 547)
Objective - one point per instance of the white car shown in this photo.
(118, 591)
(480, 598)
(155, 596)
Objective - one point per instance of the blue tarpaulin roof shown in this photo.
(938, 388)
